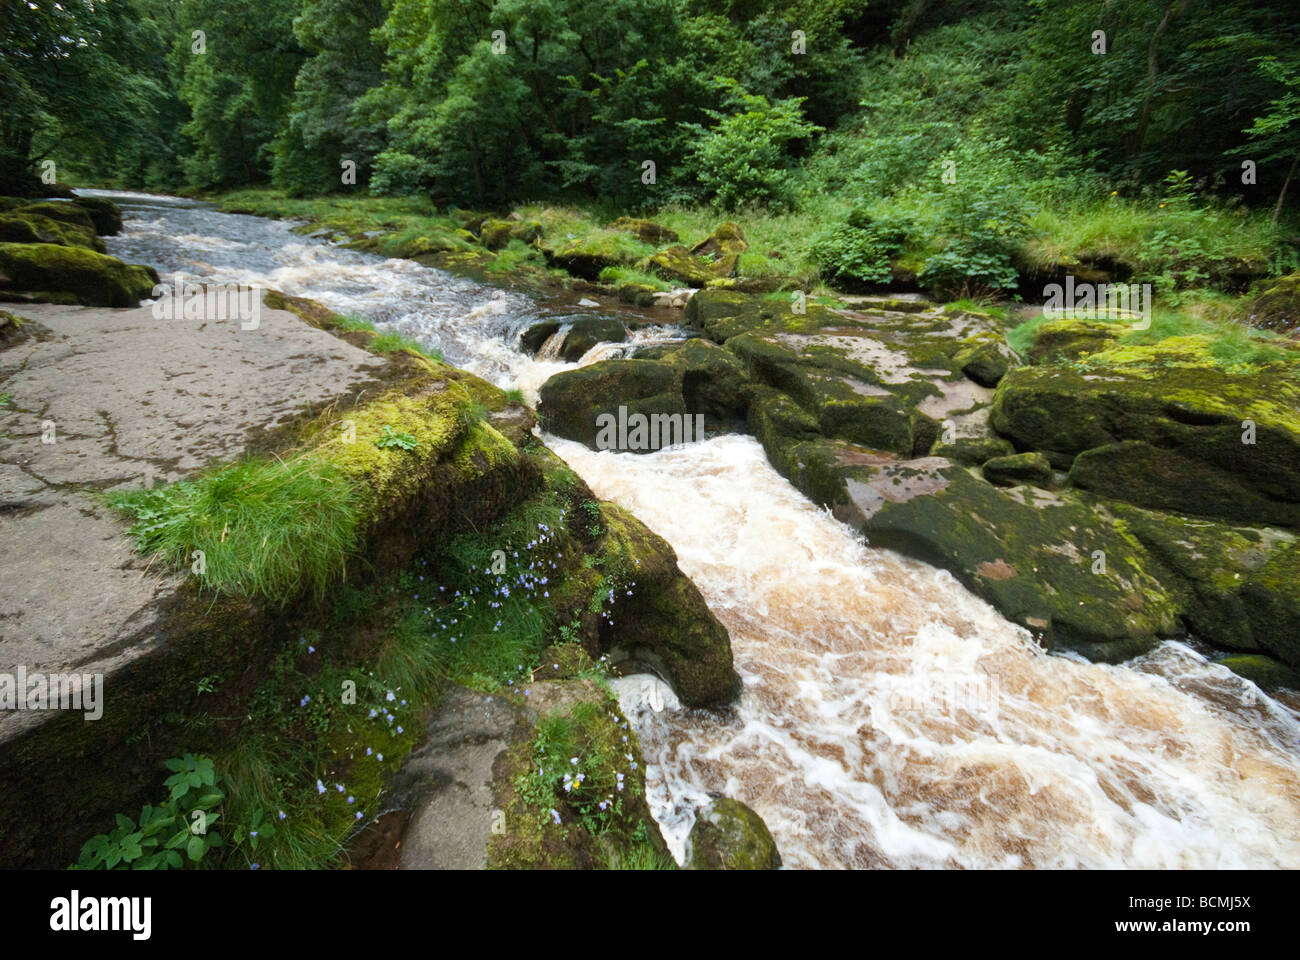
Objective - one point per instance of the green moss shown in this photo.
(728, 835)
(21, 227)
(91, 278)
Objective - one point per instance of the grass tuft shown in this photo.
(266, 528)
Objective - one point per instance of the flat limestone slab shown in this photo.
(125, 397)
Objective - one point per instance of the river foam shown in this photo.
(892, 718)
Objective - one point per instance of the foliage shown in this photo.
(171, 835)
(742, 158)
(401, 440)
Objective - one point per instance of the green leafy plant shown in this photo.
(169, 836)
(392, 438)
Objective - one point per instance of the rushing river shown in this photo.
(889, 717)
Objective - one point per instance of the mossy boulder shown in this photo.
(664, 623)
(34, 228)
(495, 234)
(1234, 586)
(1277, 306)
(61, 211)
(43, 271)
(986, 362)
(532, 339)
(973, 451)
(586, 257)
(1071, 339)
(647, 231)
(1019, 468)
(678, 265)
(728, 835)
(1272, 595)
(104, 214)
(589, 330)
(726, 240)
(1261, 670)
(571, 402)
(1056, 563)
(714, 381)
(1161, 479)
(1190, 426)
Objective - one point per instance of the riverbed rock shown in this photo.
(34, 228)
(1159, 427)
(64, 274)
(1031, 468)
(664, 624)
(1261, 670)
(104, 214)
(532, 339)
(728, 835)
(589, 330)
(571, 401)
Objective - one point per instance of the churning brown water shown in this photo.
(889, 717)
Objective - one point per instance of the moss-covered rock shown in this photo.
(61, 211)
(986, 362)
(728, 835)
(589, 330)
(973, 451)
(1071, 339)
(1229, 594)
(726, 240)
(647, 231)
(34, 228)
(1056, 563)
(677, 264)
(532, 339)
(1189, 424)
(586, 257)
(1161, 479)
(1272, 595)
(664, 624)
(1277, 306)
(1031, 468)
(571, 401)
(50, 272)
(104, 214)
(1261, 670)
(714, 382)
(495, 234)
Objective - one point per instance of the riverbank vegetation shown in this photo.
(963, 146)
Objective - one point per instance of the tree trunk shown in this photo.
(1140, 134)
(1285, 183)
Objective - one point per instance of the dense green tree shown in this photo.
(324, 126)
(237, 82)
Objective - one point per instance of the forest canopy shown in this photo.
(479, 102)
